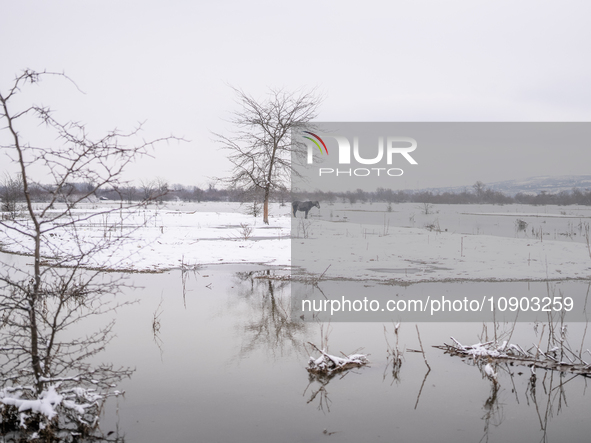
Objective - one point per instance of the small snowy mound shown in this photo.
(328, 364)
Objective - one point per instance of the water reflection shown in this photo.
(318, 393)
(49, 389)
(493, 411)
(550, 401)
(270, 326)
(545, 393)
(394, 356)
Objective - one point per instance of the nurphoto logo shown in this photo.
(363, 154)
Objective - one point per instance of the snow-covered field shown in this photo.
(353, 242)
(162, 237)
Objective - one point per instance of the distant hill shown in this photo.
(531, 185)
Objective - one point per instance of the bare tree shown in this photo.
(11, 193)
(162, 188)
(426, 208)
(260, 148)
(127, 193)
(39, 302)
(154, 190)
(479, 189)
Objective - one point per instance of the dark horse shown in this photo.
(304, 206)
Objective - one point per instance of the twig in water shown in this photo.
(156, 326)
(422, 350)
(428, 367)
(316, 281)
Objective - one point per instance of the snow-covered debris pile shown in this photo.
(488, 349)
(556, 359)
(328, 364)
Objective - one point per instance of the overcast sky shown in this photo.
(170, 63)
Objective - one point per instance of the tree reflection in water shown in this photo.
(271, 326)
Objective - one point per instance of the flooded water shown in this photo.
(228, 365)
(217, 357)
(563, 223)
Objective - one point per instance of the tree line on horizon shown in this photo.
(479, 195)
(160, 191)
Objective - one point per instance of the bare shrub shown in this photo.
(304, 227)
(245, 231)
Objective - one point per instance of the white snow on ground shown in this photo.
(165, 237)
